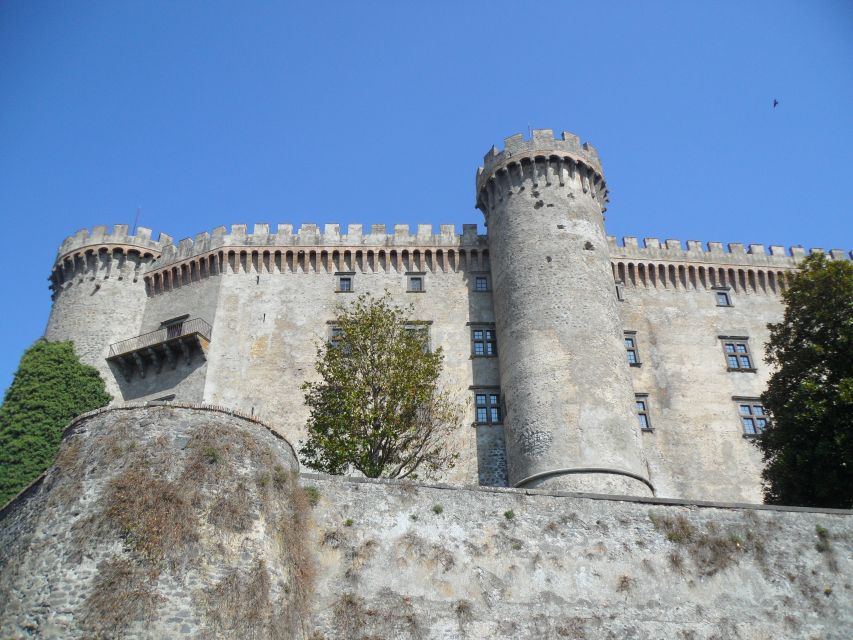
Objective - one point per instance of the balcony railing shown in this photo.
(195, 327)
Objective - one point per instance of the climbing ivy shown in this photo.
(50, 387)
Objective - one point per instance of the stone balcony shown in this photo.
(149, 351)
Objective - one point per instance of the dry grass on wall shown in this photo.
(183, 511)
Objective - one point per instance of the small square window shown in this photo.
(344, 282)
(484, 342)
(481, 283)
(487, 407)
(753, 419)
(631, 349)
(723, 299)
(738, 357)
(415, 284)
(642, 406)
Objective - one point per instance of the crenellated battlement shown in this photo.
(749, 269)
(310, 236)
(541, 161)
(541, 140)
(734, 253)
(100, 236)
(99, 255)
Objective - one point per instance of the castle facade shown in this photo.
(586, 364)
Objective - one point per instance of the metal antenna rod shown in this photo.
(136, 220)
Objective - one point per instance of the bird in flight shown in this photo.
(775, 103)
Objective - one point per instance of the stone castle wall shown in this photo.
(184, 522)
(269, 302)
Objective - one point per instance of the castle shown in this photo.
(587, 365)
(615, 386)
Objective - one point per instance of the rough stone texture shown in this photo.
(491, 456)
(158, 522)
(270, 293)
(566, 566)
(215, 540)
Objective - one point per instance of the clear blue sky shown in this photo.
(209, 113)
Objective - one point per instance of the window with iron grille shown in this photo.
(641, 400)
(738, 357)
(631, 348)
(487, 405)
(481, 283)
(753, 419)
(484, 342)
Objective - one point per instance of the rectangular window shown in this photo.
(722, 296)
(335, 333)
(642, 404)
(344, 281)
(481, 283)
(738, 357)
(415, 283)
(752, 416)
(484, 342)
(487, 406)
(620, 291)
(631, 348)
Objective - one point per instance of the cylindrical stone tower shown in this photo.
(99, 293)
(570, 421)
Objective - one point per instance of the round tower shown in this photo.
(98, 292)
(569, 402)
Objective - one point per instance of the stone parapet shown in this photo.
(515, 146)
(540, 162)
(100, 237)
(734, 253)
(310, 235)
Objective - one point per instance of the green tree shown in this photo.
(378, 407)
(808, 445)
(50, 387)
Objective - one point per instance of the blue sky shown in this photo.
(209, 113)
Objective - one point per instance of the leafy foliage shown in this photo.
(377, 407)
(808, 446)
(50, 387)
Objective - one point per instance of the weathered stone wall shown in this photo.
(697, 449)
(171, 522)
(408, 561)
(159, 522)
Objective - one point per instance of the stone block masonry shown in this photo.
(159, 522)
(401, 560)
(186, 522)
